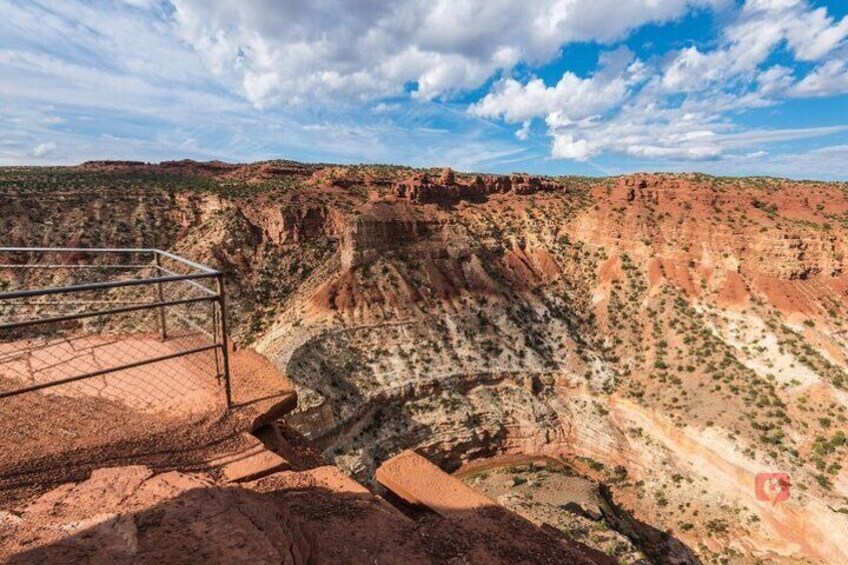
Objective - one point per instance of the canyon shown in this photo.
(664, 337)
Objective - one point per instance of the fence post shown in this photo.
(214, 308)
(162, 331)
(224, 347)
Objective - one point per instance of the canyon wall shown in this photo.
(670, 335)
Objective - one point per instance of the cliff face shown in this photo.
(772, 228)
(447, 190)
(685, 329)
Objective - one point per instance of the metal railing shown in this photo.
(78, 314)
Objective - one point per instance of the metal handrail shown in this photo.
(66, 266)
(194, 284)
(202, 272)
(110, 312)
(103, 286)
(167, 254)
(107, 371)
(205, 272)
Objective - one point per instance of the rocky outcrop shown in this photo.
(293, 225)
(182, 167)
(776, 229)
(447, 190)
(130, 515)
(420, 483)
(370, 236)
(268, 171)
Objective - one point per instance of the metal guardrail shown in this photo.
(41, 316)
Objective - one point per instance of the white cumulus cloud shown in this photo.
(398, 80)
(572, 97)
(828, 78)
(676, 106)
(294, 50)
(43, 149)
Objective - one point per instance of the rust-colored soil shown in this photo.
(131, 515)
(59, 435)
(176, 388)
(128, 515)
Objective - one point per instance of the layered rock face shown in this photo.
(447, 190)
(671, 335)
(765, 228)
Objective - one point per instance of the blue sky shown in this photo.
(591, 87)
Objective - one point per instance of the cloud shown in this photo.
(819, 163)
(292, 51)
(43, 149)
(642, 131)
(831, 77)
(524, 132)
(566, 146)
(373, 80)
(572, 98)
(746, 43)
(141, 4)
(115, 107)
(678, 106)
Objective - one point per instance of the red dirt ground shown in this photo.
(61, 434)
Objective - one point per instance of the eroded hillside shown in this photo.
(670, 336)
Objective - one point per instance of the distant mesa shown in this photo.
(421, 189)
